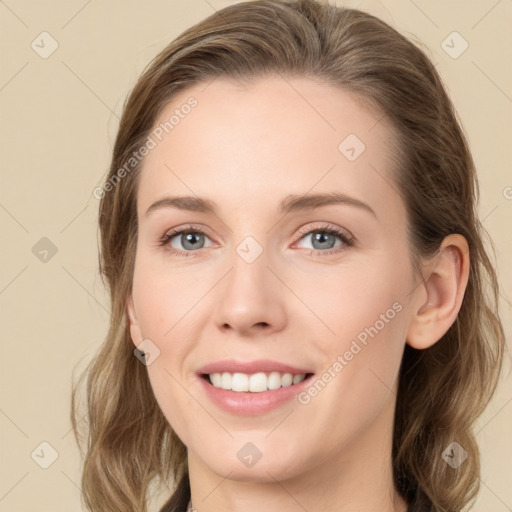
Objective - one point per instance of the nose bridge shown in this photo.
(249, 295)
(250, 250)
(248, 276)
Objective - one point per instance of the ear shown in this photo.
(444, 289)
(135, 330)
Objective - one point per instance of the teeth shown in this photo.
(240, 382)
(255, 383)
(274, 380)
(298, 378)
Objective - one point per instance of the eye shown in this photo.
(323, 239)
(190, 239)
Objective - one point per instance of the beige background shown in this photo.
(59, 119)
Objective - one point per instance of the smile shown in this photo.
(254, 383)
(252, 388)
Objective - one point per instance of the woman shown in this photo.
(329, 342)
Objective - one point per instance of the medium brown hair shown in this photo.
(441, 390)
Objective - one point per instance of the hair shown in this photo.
(443, 389)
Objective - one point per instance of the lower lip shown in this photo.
(252, 404)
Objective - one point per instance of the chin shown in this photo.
(237, 463)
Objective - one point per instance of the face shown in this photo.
(269, 281)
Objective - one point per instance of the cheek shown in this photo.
(176, 404)
(360, 376)
(164, 303)
(364, 303)
(371, 354)
(369, 318)
(164, 297)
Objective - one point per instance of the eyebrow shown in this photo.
(291, 203)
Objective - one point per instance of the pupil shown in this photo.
(320, 237)
(190, 239)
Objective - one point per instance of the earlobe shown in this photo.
(135, 331)
(444, 287)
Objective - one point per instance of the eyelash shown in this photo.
(347, 240)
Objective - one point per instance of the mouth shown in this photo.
(252, 388)
(254, 383)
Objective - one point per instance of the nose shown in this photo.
(251, 299)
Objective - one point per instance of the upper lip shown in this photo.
(250, 367)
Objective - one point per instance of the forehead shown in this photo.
(272, 137)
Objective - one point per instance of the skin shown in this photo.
(246, 148)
